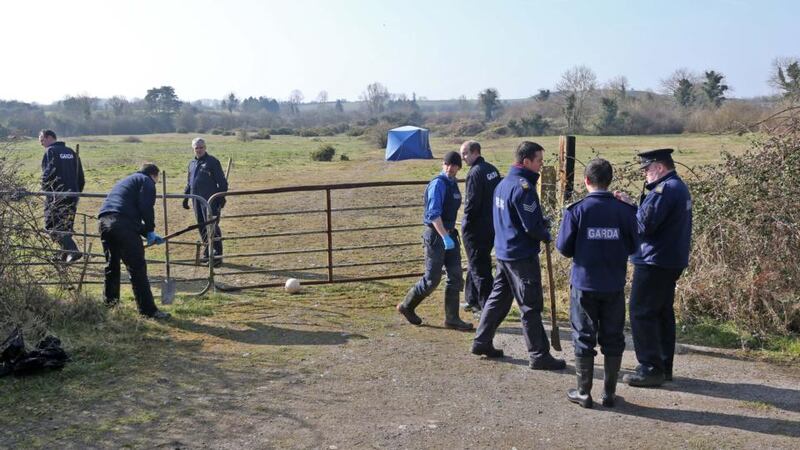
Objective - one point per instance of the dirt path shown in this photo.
(337, 375)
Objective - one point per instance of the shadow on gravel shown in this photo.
(781, 398)
(752, 424)
(261, 334)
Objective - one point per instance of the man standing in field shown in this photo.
(599, 233)
(127, 213)
(61, 172)
(665, 230)
(519, 228)
(206, 178)
(442, 201)
(476, 226)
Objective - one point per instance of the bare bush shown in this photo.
(745, 263)
(26, 258)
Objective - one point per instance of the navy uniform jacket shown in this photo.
(598, 232)
(61, 169)
(479, 198)
(206, 177)
(133, 197)
(518, 222)
(665, 224)
(442, 199)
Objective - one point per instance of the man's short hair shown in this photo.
(472, 146)
(527, 149)
(668, 164)
(452, 158)
(149, 169)
(198, 141)
(599, 173)
(48, 133)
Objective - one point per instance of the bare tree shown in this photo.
(619, 87)
(578, 83)
(376, 97)
(322, 97)
(295, 98)
(119, 105)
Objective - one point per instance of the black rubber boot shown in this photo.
(667, 370)
(451, 319)
(584, 369)
(611, 366)
(406, 308)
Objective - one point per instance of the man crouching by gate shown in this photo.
(598, 232)
(126, 214)
(442, 201)
(519, 227)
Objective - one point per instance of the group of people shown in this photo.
(126, 215)
(600, 232)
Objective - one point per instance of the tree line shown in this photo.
(578, 103)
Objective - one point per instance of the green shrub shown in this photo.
(242, 135)
(262, 134)
(344, 157)
(323, 153)
(182, 130)
(217, 131)
(132, 140)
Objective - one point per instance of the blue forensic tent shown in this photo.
(408, 143)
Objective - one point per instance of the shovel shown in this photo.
(168, 287)
(555, 337)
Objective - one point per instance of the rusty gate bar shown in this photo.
(329, 230)
(330, 235)
(85, 235)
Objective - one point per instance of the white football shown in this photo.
(292, 285)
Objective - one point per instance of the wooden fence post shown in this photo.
(566, 167)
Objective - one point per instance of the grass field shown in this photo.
(130, 376)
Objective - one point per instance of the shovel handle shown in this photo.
(554, 335)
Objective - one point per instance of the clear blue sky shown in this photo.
(438, 49)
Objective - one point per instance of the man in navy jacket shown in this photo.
(442, 200)
(126, 214)
(599, 233)
(61, 172)
(665, 230)
(519, 227)
(477, 228)
(205, 178)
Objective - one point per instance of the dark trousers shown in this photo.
(59, 220)
(200, 216)
(121, 241)
(653, 316)
(597, 317)
(522, 280)
(479, 280)
(436, 257)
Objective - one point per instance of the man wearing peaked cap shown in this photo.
(664, 219)
(442, 200)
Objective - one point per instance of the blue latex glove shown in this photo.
(449, 243)
(153, 238)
